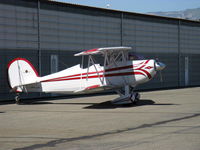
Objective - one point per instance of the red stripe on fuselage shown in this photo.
(107, 70)
(97, 76)
(146, 72)
(73, 75)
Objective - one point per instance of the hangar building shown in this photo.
(48, 33)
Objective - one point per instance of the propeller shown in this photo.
(161, 77)
(159, 67)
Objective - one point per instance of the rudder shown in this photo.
(21, 72)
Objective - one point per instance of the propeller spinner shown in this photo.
(159, 66)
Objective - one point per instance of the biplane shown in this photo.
(119, 71)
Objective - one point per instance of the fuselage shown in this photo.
(115, 75)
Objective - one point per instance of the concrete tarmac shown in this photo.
(162, 120)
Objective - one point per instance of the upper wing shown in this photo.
(103, 50)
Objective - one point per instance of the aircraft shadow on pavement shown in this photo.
(53, 103)
(103, 105)
(109, 105)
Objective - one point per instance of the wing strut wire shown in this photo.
(96, 70)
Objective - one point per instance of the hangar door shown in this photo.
(54, 63)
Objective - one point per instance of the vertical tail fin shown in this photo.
(21, 72)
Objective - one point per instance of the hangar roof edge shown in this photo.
(119, 11)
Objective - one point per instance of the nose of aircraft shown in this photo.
(159, 66)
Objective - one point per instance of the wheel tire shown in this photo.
(137, 96)
(132, 98)
(17, 99)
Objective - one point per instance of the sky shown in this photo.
(140, 6)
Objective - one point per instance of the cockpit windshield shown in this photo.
(135, 56)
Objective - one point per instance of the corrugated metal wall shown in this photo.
(154, 38)
(62, 30)
(190, 47)
(18, 38)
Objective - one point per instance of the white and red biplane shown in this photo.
(119, 73)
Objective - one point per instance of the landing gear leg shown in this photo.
(135, 97)
(127, 96)
(17, 99)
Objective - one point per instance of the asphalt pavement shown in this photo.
(162, 120)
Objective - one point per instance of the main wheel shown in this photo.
(17, 99)
(137, 96)
(132, 98)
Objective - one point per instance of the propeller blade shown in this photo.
(161, 77)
